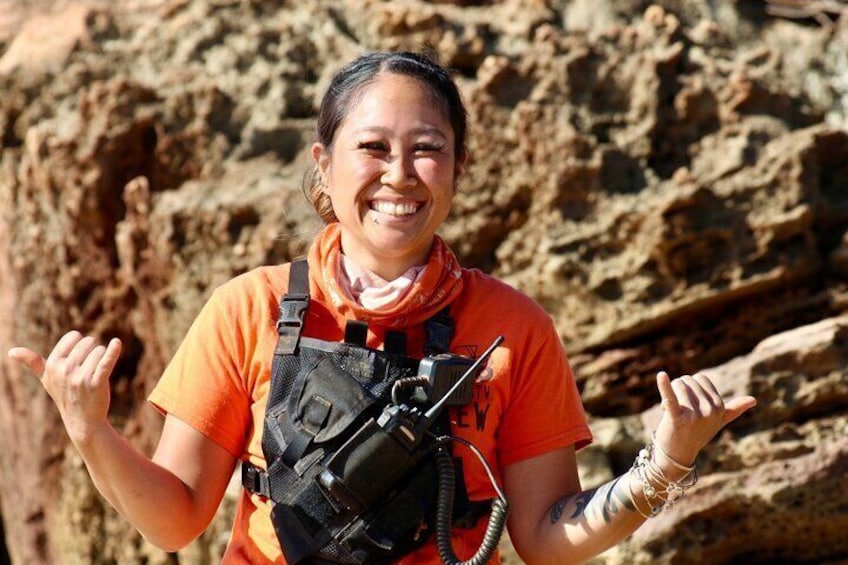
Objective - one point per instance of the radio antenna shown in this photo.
(437, 407)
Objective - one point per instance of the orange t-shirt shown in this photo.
(525, 401)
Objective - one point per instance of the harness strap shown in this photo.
(293, 309)
(439, 332)
(356, 332)
(394, 342)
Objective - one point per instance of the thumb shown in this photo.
(32, 360)
(737, 406)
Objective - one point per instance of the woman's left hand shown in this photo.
(693, 413)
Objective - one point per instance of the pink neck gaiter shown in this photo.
(370, 290)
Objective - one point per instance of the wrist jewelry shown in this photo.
(677, 464)
(644, 514)
(658, 490)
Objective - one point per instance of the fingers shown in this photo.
(73, 351)
(29, 358)
(697, 396)
(107, 361)
(708, 386)
(707, 398)
(81, 353)
(729, 410)
(90, 363)
(57, 359)
(64, 346)
(687, 395)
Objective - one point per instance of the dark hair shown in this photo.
(346, 87)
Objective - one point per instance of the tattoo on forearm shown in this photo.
(557, 508)
(602, 502)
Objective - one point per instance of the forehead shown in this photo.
(391, 96)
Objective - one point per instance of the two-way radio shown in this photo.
(382, 451)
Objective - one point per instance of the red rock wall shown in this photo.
(669, 183)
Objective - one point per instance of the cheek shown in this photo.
(357, 178)
(364, 170)
(351, 178)
(436, 173)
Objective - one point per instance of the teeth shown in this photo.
(394, 208)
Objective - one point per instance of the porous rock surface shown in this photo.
(669, 180)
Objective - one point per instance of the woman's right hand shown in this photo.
(76, 376)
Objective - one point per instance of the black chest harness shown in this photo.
(355, 440)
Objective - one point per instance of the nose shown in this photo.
(398, 172)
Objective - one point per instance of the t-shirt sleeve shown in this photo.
(545, 412)
(202, 385)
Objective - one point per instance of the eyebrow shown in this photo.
(415, 131)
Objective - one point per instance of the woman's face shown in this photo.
(390, 174)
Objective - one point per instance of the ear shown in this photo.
(459, 167)
(321, 156)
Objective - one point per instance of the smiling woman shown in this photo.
(390, 138)
(390, 174)
(342, 382)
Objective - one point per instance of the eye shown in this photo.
(372, 146)
(428, 147)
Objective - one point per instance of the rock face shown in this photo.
(779, 477)
(670, 181)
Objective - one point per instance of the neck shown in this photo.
(385, 265)
(387, 269)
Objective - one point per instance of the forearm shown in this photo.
(153, 499)
(582, 525)
(171, 498)
(548, 527)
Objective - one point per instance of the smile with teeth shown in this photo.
(394, 208)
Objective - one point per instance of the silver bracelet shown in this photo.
(644, 514)
(677, 464)
(654, 482)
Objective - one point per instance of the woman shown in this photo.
(390, 147)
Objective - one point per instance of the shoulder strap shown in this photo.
(439, 332)
(293, 308)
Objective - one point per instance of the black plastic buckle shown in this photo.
(292, 309)
(254, 479)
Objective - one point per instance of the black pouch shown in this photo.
(336, 392)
